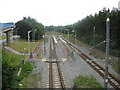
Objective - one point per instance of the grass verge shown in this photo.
(98, 54)
(10, 64)
(23, 46)
(87, 82)
(31, 81)
(3, 37)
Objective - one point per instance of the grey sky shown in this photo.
(52, 12)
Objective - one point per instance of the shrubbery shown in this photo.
(10, 64)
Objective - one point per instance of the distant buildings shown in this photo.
(5, 25)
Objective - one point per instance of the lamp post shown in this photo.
(34, 34)
(75, 35)
(29, 42)
(45, 43)
(93, 38)
(68, 33)
(107, 53)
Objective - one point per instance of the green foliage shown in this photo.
(86, 82)
(84, 29)
(27, 24)
(10, 64)
(31, 81)
(26, 69)
(85, 32)
(23, 46)
(2, 37)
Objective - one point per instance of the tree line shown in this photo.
(27, 24)
(85, 28)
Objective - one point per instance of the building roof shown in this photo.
(6, 25)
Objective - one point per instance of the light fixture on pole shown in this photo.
(93, 38)
(29, 42)
(75, 35)
(68, 33)
(34, 33)
(107, 52)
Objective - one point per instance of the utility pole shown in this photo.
(45, 43)
(107, 53)
(94, 39)
(75, 36)
(68, 33)
(34, 34)
(29, 42)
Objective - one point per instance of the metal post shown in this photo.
(44, 44)
(107, 53)
(75, 37)
(93, 39)
(11, 36)
(68, 34)
(64, 31)
(29, 42)
(34, 34)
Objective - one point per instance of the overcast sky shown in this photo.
(52, 12)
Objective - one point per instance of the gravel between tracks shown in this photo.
(70, 68)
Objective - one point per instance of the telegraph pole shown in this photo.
(29, 42)
(107, 53)
(94, 39)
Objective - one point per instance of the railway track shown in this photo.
(64, 47)
(113, 80)
(36, 50)
(56, 79)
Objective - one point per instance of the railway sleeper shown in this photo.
(48, 61)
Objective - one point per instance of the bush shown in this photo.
(86, 82)
(10, 64)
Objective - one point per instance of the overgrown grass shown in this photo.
(23, 46)
(10, 64)
(97, 53)
(87, 82)
(3, 37)
(26, 70)
(31, 81)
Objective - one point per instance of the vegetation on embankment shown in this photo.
(10, 62)
(23, 46)
(31, 81)
(86, 82)
(84, 29)
(2, 37)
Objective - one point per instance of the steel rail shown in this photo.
(95, 66)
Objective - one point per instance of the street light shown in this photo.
(75, 35)
(93, 38)
(68, 33)
(29, 42)
(107, 52)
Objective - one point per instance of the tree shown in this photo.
(27, 24)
